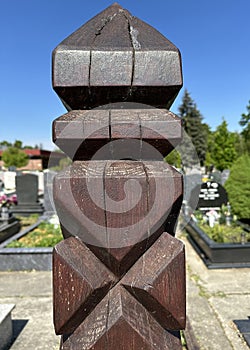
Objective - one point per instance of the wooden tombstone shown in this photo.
(119, 274)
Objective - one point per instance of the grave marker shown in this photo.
(119, 274)
(27, 195)
(48, 202)
(212, 195)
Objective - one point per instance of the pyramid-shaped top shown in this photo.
(116, 57)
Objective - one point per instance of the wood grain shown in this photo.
(120, 322)
(139, 134)
(116, 57)
(119, 273)
(80, 281)
(157, 280)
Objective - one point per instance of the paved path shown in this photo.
(32, 316)
(214, 299)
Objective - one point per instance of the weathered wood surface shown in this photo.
(138, 311)
(116, 57)
(117, 234)
(119, 273)
(88, 281)
(145, 133)
(119, 321)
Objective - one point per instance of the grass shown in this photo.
(45, 235)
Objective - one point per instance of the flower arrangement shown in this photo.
(7, 202)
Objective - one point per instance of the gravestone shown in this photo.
(191, 182)
(216, 176)
(48, 202)
(212, 195)
(40, 176)
(6, 326)
(9, 180)
(9, 225)
(1, 178)
(27, 195)
(224, 176)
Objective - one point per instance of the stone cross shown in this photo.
(119, 274)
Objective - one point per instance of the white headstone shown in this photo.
(10, 180)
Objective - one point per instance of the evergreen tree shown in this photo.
(245, 123)
(210, 148)
(192, 123)
(240, 144)
(223, 152)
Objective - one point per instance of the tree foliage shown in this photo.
(173, 158)
(13, 156)
(238, 187)
(192, 122)
(5, 144)
(223, 152)
(18, 144)
(245, 123)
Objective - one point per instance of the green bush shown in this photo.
(226, 234)
(238, 187)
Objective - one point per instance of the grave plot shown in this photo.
(221, 241)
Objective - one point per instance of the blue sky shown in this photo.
(213, 37)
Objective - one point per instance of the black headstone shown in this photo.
(211, 195)
(216, 176)
(27, 189)
(27, 195)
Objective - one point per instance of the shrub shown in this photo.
(238, 187)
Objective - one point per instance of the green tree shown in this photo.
(245, 123)
(4, 144)
(13, 156)
(192, 122)
(18, 144)
(238, 187)
(173, 158)
(209, 161)
(223, 152)
(240, 144)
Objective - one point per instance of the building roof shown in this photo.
(40, 153)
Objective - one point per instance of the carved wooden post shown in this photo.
(119, 275)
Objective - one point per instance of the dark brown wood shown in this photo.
(118, 236)
(119, 321)
(119, 273)
(158, 276)
(190, 338)
(140, 133)
(88, 281)
(113, 58)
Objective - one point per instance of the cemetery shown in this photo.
(31, 208)
(123, 276)
(221, 241)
